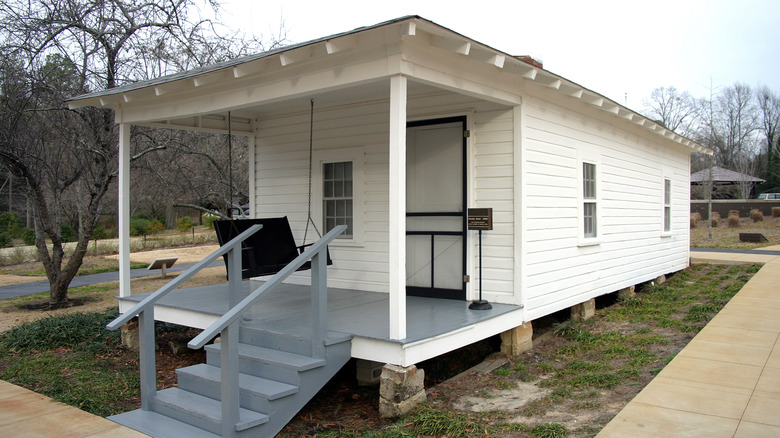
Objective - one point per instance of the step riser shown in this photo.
(181, 414)
(212, 389)
(256, 367)
(274, 341)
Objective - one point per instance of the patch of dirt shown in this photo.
(11, 279)
(191, 254)
(13, 311)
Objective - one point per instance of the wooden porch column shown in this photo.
(397, 244)
(124, 210)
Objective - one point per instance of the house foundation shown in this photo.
(400, 390)
(129, 334)
(629, 292)
(583, 311)
(517, 340)
(368, 372)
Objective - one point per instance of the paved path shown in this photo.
(24, 413)
(18, 290)
(726, 381)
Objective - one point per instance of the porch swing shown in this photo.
(273, 247)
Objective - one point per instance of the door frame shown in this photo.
(453, 294)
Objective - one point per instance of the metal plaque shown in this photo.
(480, 219)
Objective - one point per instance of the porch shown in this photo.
(434, 326)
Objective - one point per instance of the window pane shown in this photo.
(338, 188)
(667, 218)
(667, 192)
(348, 189)
(330, 208)
(327, 170)
(589, 218)
(328, 189)
(341, 208)
(588, 180)
(338, 171)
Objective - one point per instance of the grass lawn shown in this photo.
(725, 237)
(572, 383)
(581, 374)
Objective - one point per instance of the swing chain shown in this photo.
(309, 219)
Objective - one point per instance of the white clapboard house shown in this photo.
(412, 125)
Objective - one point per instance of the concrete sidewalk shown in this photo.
(24, 413)
(726, 381)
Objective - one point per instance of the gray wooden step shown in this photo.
(158, 425)
(200, 411)
(266, 362)
(255, 392)
(299, 343)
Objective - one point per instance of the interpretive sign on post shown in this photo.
(163, 263)
(480, 219)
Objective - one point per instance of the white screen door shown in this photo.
(435, 197)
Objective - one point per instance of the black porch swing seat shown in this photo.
(267, 251)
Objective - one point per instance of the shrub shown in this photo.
(209, 219)
(138, 226)
(11, 223)
(696, 215)
(5, 239)
(67, 233)
(715, 214)
(756, 215)
(99, 232)
(733, 221)
(28, 236)
(734, 213)
(775, 211)
(715, 221)
(155, 227)
(184, 223)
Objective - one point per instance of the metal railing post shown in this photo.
(319, 303)
(148, 368)
(228, 363)
(234, 275)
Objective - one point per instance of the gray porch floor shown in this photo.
(287, 309)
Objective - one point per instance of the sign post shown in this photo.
(480, 219)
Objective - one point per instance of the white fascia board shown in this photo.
(340, 44)
(407, 354)
(250, 91)
(448, 71)
(451, 44)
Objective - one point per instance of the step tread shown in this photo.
(158, 425)
(333, 337)
(205, 407)
(269, 389)
(268, 355)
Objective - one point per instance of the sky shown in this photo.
(622, 49)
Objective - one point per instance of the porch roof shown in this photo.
(271, 65)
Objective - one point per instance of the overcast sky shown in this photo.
(617, 48)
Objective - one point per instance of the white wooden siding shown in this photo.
(282, 171)
(631, 166)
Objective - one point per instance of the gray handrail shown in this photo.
(173, 284)
(237, 311)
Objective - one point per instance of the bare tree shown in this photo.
(62, 154)
(730, 121)
(769, 106)
(674, 110)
